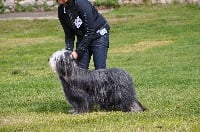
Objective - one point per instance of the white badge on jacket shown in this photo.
(78, 22)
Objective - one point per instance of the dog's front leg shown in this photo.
(80, 100)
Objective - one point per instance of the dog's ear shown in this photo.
(68, 53)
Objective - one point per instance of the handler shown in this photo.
(80, 18)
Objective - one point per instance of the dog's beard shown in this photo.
(55, 58)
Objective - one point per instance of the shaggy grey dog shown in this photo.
(111, 89)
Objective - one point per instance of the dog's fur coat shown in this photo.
(111, 89)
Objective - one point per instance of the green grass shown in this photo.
(158, 45)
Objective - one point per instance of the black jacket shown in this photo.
(80, 18)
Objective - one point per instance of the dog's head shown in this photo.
(60, 61)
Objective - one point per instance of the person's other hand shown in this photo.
(74, 55)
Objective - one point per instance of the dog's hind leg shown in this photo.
(137, 106)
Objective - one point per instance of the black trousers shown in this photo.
(98, 49)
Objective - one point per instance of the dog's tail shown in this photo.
(137, 106)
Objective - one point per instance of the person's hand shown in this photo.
(74, 55)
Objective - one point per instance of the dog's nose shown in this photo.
(48, 60)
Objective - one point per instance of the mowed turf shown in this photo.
(158, 45)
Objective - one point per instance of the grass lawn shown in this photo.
(158, 45)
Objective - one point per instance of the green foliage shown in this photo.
(107, 3)
(19, 8)
(157, 45)
(35, 7)
(2, 7)
(47, 8)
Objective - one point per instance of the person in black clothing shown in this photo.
(80, 18)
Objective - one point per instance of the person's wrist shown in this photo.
(74, 55)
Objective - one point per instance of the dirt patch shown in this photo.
(35, 15)
(141, 46)
(14, 42)
(119, 20)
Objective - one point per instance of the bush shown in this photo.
(35, 7)
(20, 8)
(2, 7)
(107, 3)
